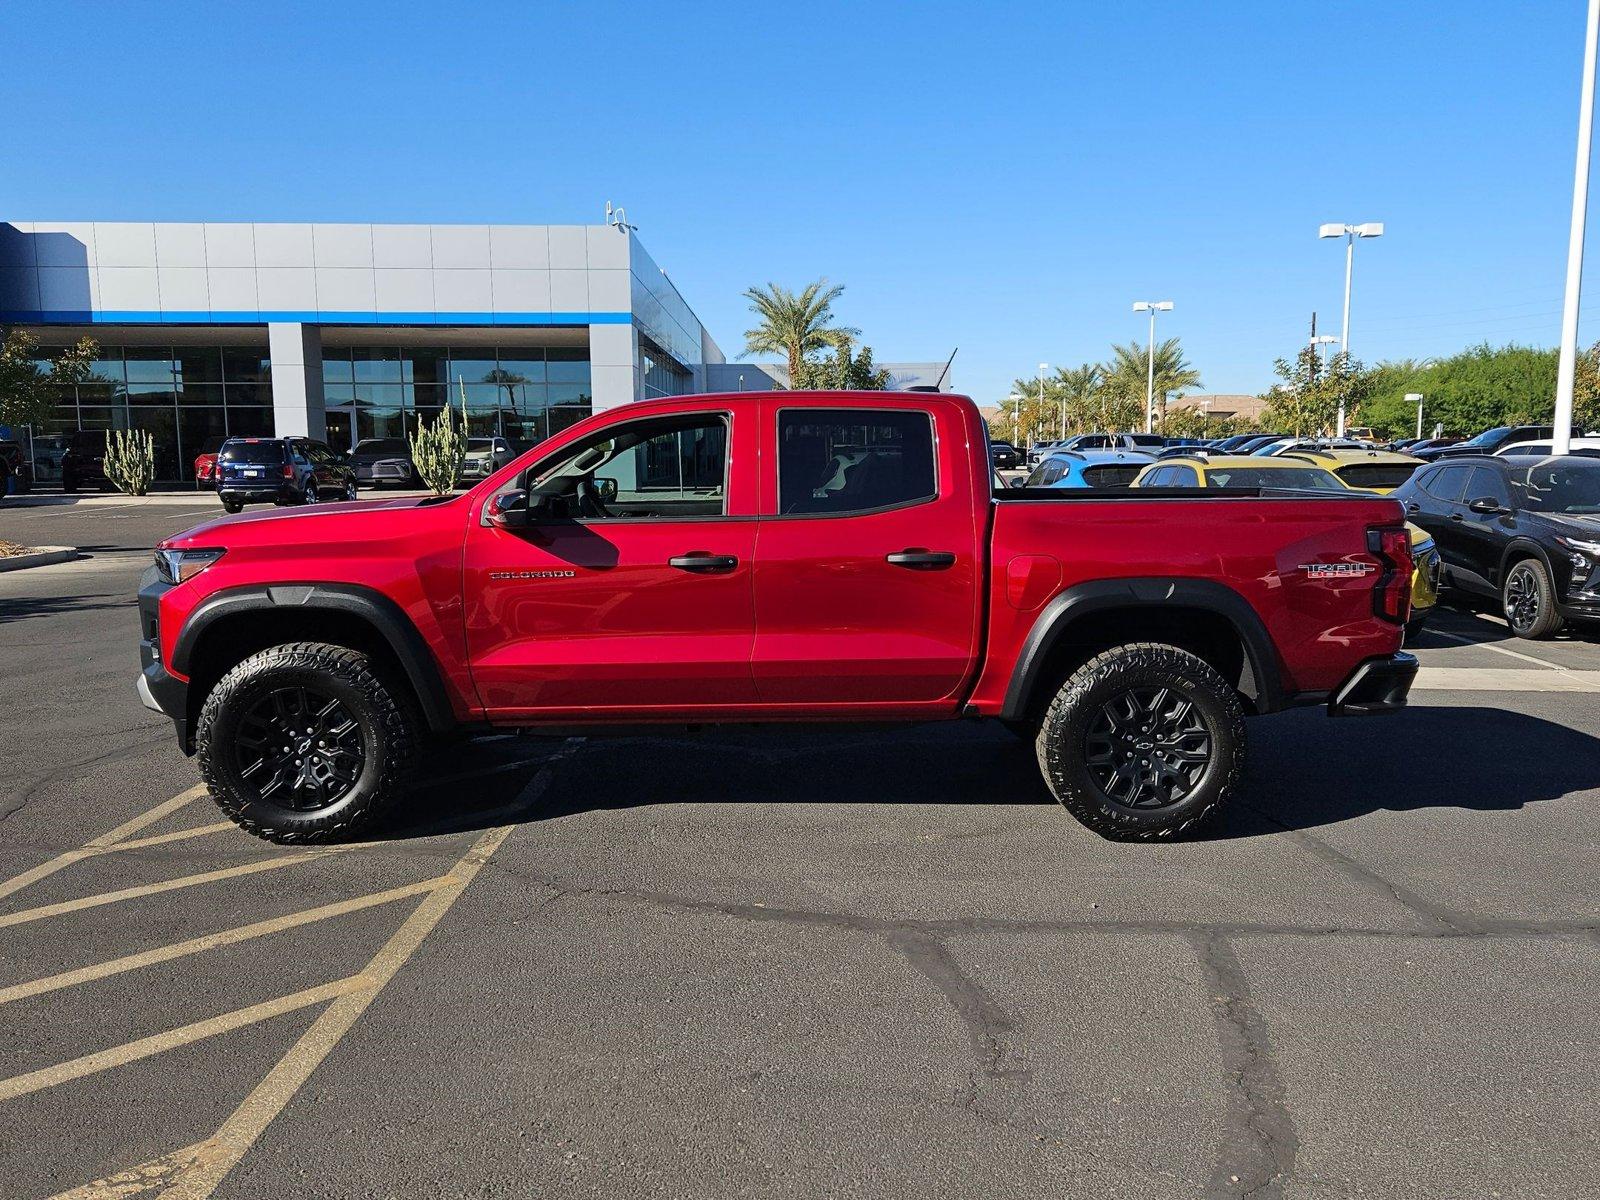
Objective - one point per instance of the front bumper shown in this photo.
(158, 690)
(1377, 686)
(383, 472)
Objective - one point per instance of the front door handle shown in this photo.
(921, 560)
(703, 562)
(1455, 516)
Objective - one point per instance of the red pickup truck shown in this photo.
(788, 556)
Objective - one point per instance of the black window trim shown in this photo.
(777, 463)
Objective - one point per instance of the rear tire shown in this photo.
(306, 742)
(1528, 601)
(1143, 742)
(232, 506)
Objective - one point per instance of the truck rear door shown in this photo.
(869, 554)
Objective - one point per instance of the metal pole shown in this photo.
(1417, 396)
(1567, 369)
(1150, 374)
(1344, 340)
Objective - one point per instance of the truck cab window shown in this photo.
(664, 469)
(833, 462)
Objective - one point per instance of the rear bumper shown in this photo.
(1377, 686)
(253, 494)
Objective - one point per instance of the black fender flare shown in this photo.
(1152, 593)
(382, 613)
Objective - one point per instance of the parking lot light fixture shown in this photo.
(1416, 398)
(1152, 307)
(1333, 229)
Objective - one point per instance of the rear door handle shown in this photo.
(1455, 516)
(921, 560)
(1413, 508)
(703, 562)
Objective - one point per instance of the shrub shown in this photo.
(439, 449)
(130, 460)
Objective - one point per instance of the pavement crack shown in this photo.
(997, 1086)
(1259, 1144)
(19, 798)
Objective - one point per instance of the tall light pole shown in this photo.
(1324, 340)
(1016, 422)
(1043, 367)
(1370, 229)
(1152, 307)
(1567, 368)
(1416, 398)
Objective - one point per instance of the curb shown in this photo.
(41, 557)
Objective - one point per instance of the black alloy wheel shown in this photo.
(1528, 601)
(1147, 748)
(310, 494)
(300, 748)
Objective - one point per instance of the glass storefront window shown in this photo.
(107, 366)
(376, 364)
(152, 395)
(245, 364)
(200, 431)
(380, 423)
(380, 393)
(102, 418)
(203, 364)
(336, 367)
(425, 366)
(568, 366)
(471, 370)
(149, 364)
(531, 370)
(249, 422)
(209, 394)
(248, 393)
(569, 393)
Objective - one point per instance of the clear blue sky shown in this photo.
(1003, 178)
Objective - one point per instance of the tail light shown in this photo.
(1391, 598)
(288, 470)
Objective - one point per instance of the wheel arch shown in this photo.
(232, 624)
(1206, 617)
(1519, 548)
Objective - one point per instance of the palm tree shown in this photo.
(1080, 387)
(795, 325)
(1129, 367)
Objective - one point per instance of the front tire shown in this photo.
(1143, 742)
(1528, 601)
(305, 742)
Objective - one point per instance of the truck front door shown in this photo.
(869, 557)
(629, 592)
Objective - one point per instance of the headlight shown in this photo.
(1592, 549)
(175, 566)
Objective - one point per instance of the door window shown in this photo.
(1448, 484)
(664, 469)
(1487, 482)
(837, 462)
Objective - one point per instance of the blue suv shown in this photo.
(290, 470)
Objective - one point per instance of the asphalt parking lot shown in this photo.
(844, 964)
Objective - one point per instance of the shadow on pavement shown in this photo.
(1304, 771)
(19, 608)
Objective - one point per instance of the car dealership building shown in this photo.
(347, 332)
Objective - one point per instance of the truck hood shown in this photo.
(218, 532)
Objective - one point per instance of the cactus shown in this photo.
(440, 449)
(130, 460)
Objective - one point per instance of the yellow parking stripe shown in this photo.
(166, 885)
(118, 1056)
(227, 937)
(101, 844)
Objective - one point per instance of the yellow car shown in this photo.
(1378, 471)
(1296, 471)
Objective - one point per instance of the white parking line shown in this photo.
(1455, 637)
(1505, 679)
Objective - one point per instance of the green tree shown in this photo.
(1127, 371)
(1306, 401)
(28, 394)
(1478, 388)
(1079, 389)
(842, 371)
(795, 325)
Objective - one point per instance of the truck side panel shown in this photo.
(1259, 548)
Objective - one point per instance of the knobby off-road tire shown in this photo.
(1143, 742)
(1528, 601)
(363, 748)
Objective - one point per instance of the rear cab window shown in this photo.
(259, 453)
(842, 461)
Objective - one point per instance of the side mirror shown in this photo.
(1487, 505)
(508, 510)
(605, 489)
